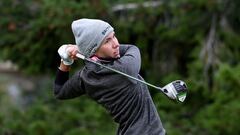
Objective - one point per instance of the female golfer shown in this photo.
(127, 101)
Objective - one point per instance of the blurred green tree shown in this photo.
(194, 40)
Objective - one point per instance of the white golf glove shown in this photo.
(63, 53)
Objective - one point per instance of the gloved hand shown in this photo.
(64, 54)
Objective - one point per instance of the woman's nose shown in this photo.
(115, 43)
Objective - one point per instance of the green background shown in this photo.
(197, 41)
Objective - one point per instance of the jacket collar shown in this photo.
(104, 61)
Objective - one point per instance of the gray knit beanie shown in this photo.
(89, 34)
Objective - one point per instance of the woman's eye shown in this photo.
(106, 42)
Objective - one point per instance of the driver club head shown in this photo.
(176, 90)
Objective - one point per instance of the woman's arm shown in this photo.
(65, 88)
(129, 61)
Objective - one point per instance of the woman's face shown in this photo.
(109, 47)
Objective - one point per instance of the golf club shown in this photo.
(176, 90)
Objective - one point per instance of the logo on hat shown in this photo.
(104, 31)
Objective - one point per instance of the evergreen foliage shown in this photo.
(197, 41)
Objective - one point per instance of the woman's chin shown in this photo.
(116, 56)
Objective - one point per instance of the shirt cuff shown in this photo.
(61, 77)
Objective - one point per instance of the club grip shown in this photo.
(80, 56)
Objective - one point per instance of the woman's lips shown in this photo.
(116, 54)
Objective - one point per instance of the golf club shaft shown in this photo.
(114, 70)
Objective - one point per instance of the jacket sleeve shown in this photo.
(67, 88)
(129, 61)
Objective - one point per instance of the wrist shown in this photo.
(64, 67)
